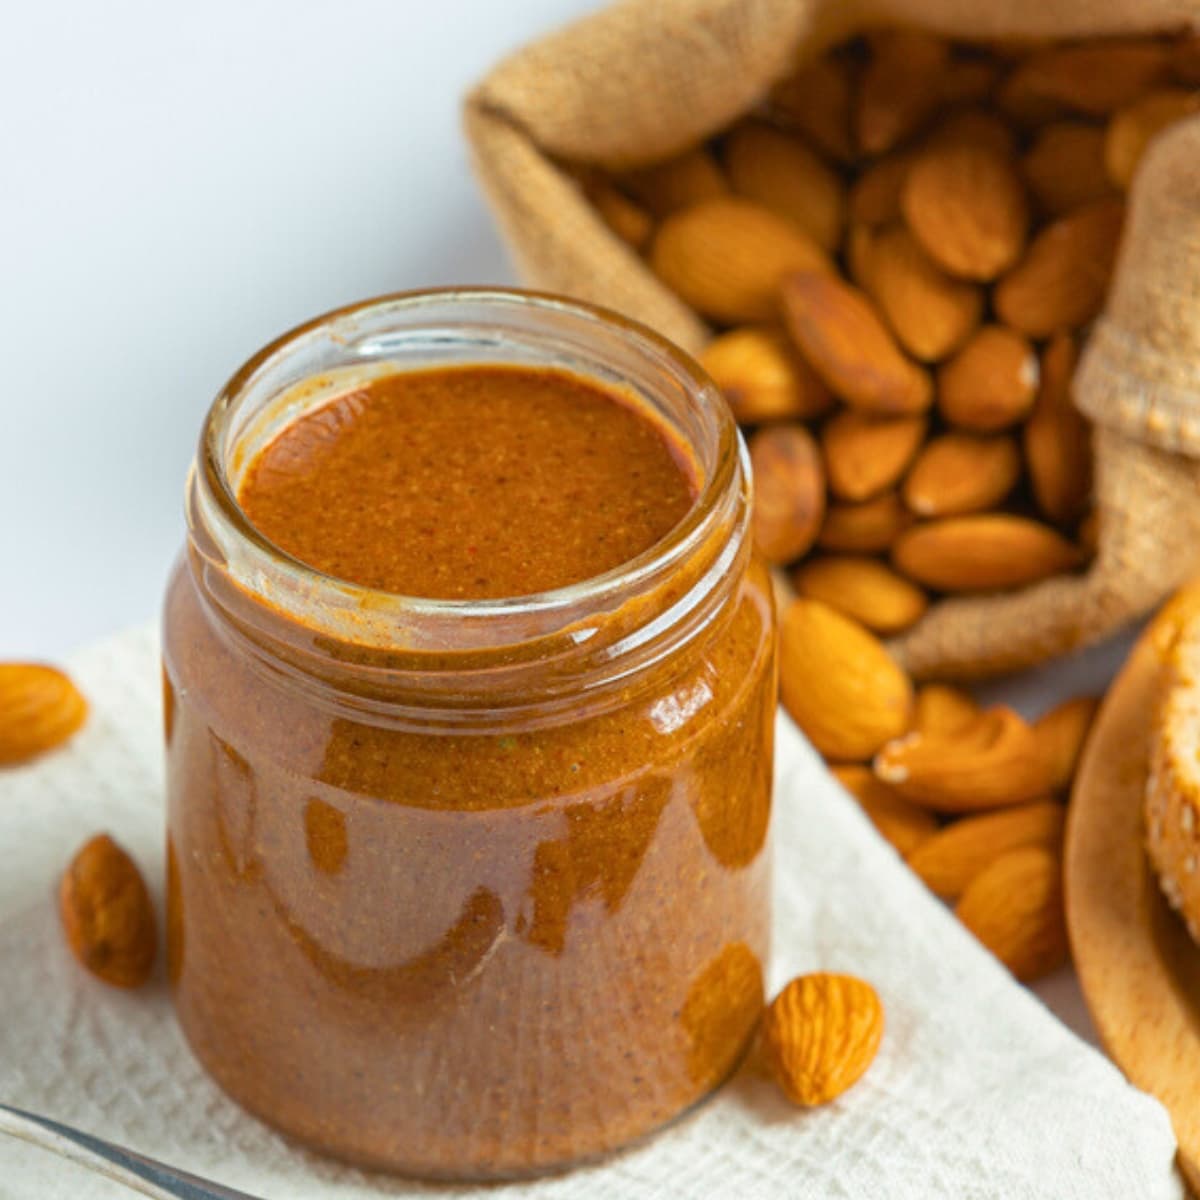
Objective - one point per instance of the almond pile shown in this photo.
(903, 249)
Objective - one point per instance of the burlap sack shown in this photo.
(646, 78)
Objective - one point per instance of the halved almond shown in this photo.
(763, 378)
(960, 473)
(676, 183)
(789, 491)
(900, 88)
(1064, 167)
(1057, 438)
(862, 588)
(867, 528)
(865, 455)
(990, 384)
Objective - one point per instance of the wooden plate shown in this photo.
(1139, 970)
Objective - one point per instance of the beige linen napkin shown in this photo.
(978, 1091)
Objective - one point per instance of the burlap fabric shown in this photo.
(645, 78)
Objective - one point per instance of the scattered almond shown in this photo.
(961, 473)
(867, 528)
(789, 491)
(816, 101)
(676, 183)
(865, 455)
(1132, 129)
(763, 378)
(862, 588)
(990, 384)
(1061, 734)
(40, 708)
(1057, 438)
(819, 1035)
(941, 709)
(1064, 167)
(900, 88)
(906, 826)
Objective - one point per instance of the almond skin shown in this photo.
(942, 709)
(40, 708)
(904, 825)
(819, 1036)
(900, 88)
(725, 257)
(948, 861)
(862, 588)
(1061, 281)
(990, 384)
(840, 685)
(1057, 438)
(965, 204)
(961, 473)
(867, 528)
(1015, 908)
(866, 455)
(839, 332)
(789, 491)
(1064, 168)
(676, 183)
(816, 102)
(1062, 733)
(989, 552)
(763, 378)
(1131, 130)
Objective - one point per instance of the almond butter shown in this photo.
(965, 204)
(875, 194)
(1132, 129)
(816, 101)
(984, 553)
(725, 257)
(789, 491)
(1061, 281)
(867, 528)
(1064, 168)
(107, 915)
(819, 1036)
(862, 588)
(782, 174)
(40, 708)
(1057, 438)
(1062, 733)
(990, 384)
(906, 826)
(1014, 907)
(763, 378)
(840, 685)
(838, 331)
(900, 88)
(948, 861)
(676, 183)
(960, 473)
(865, 455)
(941, 709)
(930, 313)
(992, 763)
(627, 219)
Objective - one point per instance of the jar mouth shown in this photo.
(383, 334)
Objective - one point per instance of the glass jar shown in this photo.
(468, 888)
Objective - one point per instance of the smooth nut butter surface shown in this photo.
(449, 943)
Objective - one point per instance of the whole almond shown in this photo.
(992, 763)
(1057, 438)
(900, 88)
(816, 101)
(782, 174)
(976, 127)
(1014, 907)
(1183, 60)
(839, 332)
(1061, 281)
(948, 861)
(960, 473)
(965, 204)
(726, 258)
(1062, 733)
(866, 455)
(984, 553)
(867, 528)
(905, 825)
(627, 219)
(107, 915)
(789, 491)
(1064, 168)
(763, 378)
(40, 708)
(930, 313)
(1095, 77)
(1132, 129)
(840, 685)
(990, 384)
(968, 80)
(875, 194)
(941, 709)
(862, 588)
(676, 183)
(819, 1036)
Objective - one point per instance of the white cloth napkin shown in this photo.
(978, 1090)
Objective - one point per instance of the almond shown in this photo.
(989, 552)
(1064, 168)
(819, 1035)
(961, 473)
(40, 708)
(816, 101)
(840, 685)
(1062, 733)
(976, 127)
(725, 257)
(628, 220)
(968, 80)
(990, 384)
(1061, 282)
(1184, 60)
(865, 455)
(782, 174)
(676, 183)
(107, 915)
(875, 194)
(763, 378)
(1015, 908)
(948, 861)
(843, 338)
(1132, 129)
(965, 204)
(992, 763)
(1057, 438)
(942, 709)
(900, 88)
(930, 313)
(862, 588)
(867, 528)
(904, 825)
(789, 491)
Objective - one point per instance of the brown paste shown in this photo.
(472, 951)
